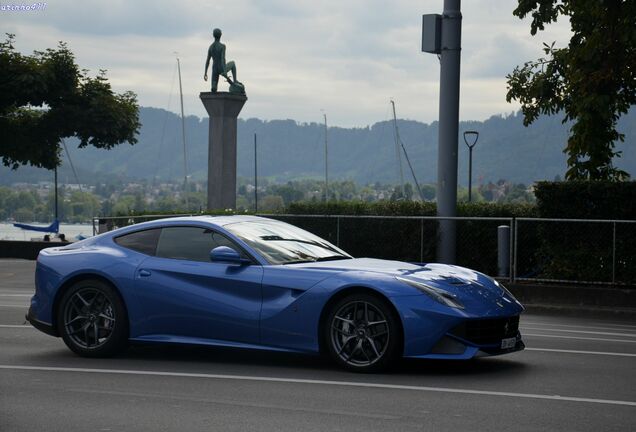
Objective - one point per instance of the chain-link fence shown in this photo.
(575, 250)
(541, 250)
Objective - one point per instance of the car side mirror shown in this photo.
(227, 255)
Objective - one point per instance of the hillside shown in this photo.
(506, 149)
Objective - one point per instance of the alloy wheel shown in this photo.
(89, 318)
(360, 333)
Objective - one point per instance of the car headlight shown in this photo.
(439, 295)
(505, 290)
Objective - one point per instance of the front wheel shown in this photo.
(363, 333)
(92, 319)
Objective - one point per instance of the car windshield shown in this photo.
(281, 243)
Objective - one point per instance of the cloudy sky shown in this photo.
(295, 57)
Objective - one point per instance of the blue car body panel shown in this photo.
(267, 306)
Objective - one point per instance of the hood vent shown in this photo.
(456, 281)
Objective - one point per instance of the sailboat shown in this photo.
(54, 227)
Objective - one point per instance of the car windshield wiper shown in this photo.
(333, 258)
(299, 261)
(309, 242)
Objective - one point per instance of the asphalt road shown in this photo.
(575, 375)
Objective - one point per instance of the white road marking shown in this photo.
(578, 337)
(604, 326)
(581, 331)
(14, 306)
(15, 326)
(16, 295)
(581, 352)
(322, 382)
(233, 402)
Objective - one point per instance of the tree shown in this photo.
(592, 80)
(45, 98)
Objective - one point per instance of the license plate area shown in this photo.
(508, 343)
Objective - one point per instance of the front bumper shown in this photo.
(40, 325)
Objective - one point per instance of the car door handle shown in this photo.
(144, 273)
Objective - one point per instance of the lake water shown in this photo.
(9, 232)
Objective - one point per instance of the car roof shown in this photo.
(219, 221)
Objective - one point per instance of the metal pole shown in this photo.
(255, 178)
(470, 174)
(614, 255)
(421, 241)
(512, 240)
(185, 161)
(56, 214)
(448, 128)
(326, 162)
(516, 250)
(503, 250)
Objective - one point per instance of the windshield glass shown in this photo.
(281, 243)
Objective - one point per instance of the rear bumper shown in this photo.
(40, 325)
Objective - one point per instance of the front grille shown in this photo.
(487, 331)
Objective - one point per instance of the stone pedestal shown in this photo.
(223, 109)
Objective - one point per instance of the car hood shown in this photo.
(425, 272)
(473, 288)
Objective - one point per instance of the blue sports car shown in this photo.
(252, 282)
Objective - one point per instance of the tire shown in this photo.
(92, 319)
(362, 333)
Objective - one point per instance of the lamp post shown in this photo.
(468, 136)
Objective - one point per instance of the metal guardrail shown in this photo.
(580, 251)
(583, 251)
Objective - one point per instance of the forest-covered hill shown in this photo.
(288, 150)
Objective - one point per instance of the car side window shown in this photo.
(191, 243)
(141, 241)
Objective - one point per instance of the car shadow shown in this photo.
(190, 354)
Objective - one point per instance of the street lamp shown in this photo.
(470, 136)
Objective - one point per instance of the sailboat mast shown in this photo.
(185, 160)
(397, 149)
(406, 155)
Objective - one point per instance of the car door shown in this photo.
(184, 294)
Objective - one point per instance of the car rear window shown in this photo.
(141, 241)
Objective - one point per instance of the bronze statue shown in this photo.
(220, 67)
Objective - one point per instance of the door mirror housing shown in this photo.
(227, 255)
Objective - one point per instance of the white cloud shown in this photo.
(295, 57)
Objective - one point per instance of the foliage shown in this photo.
(586, 200)
(45, 97)
(410, 208)
(29, 206)
(592, 80)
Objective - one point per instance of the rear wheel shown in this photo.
(362, 333)
(92, 319)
